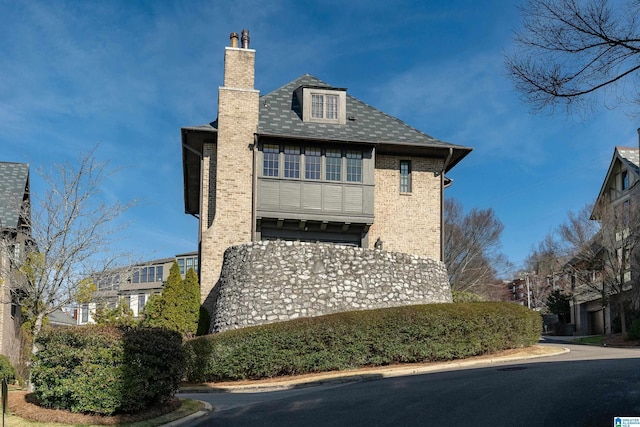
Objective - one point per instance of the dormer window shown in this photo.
(322, 104)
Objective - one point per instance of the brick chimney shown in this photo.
(226, 214)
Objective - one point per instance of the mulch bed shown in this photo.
(22, 404)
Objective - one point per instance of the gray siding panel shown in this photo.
(353, 199)
(290, 195)
(312, 196)
(280, 197)
(332, 198)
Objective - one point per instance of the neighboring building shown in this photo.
(594, 306)
(134, 285)
(309, 162)
(15, 236)
(519, 292)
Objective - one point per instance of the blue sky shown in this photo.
(128, 74)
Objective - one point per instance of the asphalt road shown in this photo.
(588, 386)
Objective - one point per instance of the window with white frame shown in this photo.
(324, 106)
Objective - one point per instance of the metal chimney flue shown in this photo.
(234, 39)
(245, 39)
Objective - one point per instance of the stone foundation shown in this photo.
(273, 281)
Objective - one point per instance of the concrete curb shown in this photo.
(365, 374)
(206, 411)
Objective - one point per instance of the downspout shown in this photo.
(444, 168)
(254, 187)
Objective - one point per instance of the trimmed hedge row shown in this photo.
(407, 334)
(106, 370)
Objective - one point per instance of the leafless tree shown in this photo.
(472, 248)
(604, 241)
(72, 228)
(545, 267)
(580, 237)
(568, 51)
(620, 240)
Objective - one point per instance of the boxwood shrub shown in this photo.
(409, 334)
(106, 370)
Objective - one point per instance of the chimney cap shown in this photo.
(234, 39)
(245, 39)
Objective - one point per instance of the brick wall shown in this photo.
(407, 222)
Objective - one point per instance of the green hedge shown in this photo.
(362, 338)
(106, 370)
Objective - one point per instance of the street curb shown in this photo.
(206, 411)
(366, 374)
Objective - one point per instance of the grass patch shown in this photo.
(594, 340)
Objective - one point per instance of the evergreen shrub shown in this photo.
(106, 370)
(634, 330)
(410, 334)
(6, 369)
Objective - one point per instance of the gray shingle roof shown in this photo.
(280, 115)
(631, 156)
(14, 179)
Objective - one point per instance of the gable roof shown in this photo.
(14, 183)
(629, 157)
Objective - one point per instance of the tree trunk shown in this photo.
(623, 320)
(37, 327)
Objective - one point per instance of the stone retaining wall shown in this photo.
(272, 281)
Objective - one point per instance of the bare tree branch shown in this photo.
(569, 50)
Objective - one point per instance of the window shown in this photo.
(405, 176)
(85, 313)
(312, 161)
(324, 106)
(332, 107)
(624, 179)
(354, 166)
(333, 164)
(136, 276)
(291, 161)
(141, 302)
(159, 273)
(143, 275)
(271, 156)
(317, 106)
(186, 263)
(151, 275)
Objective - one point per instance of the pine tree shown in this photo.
(192, 302)
(178, 307)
